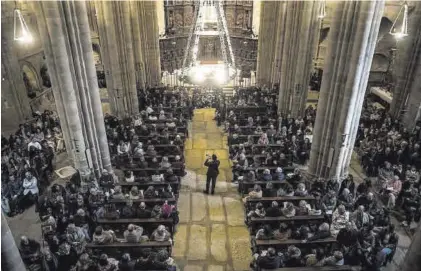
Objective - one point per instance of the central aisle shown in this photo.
(211, 234)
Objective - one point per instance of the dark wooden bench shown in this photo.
(285, 243)
(266, 201)
(255, 222)
(175, 186)
(313, 268)
(159, 201)
(117, 249)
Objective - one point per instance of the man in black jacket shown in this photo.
(213, 171)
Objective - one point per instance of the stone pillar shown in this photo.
(10, 255)
(352, 39)
(138, 45)
(117, 52)
(266, 42)
(64, 28)
(297, 41)
(413, 255)
(406, 93)
(149, 29)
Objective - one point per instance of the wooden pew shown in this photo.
(117, 249)
(154, 201)
(314, 268)
(175, 185)
(255, 222)
(147, 223)
(149, 171)
(260, 244)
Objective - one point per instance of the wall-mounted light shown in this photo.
(403, 30)
(322, 11)
(20, 29)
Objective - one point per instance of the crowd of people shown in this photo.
(27, 161)
(392, 154)
(339, 223)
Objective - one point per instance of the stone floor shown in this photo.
(211, 234)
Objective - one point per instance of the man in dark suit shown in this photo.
(213, 171)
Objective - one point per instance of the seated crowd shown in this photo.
(293, 223)
(393, 155)
(83, 220)
(27, 161)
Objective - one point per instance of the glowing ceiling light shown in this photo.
(403, 32)
(322, 12)
(20, 29)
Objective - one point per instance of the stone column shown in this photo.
(138, 45)
(65, 32)
(406, 93)
(10, 255)
(117, 52)
(413, 255)
(297, 42)
(266, 42)
(149, 28)
(352, 40)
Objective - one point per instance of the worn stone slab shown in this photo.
(221, 153)
(184, 207)
(199, 135)
(180, 241)
(215, 268)
(224, 164)
(188, 144)
(216, 208)
(221, 187)
(193, 162)
(221, 176)
(214, 142)
(198, 245)
(218, 242)
(189, 180)
(194, 153)
(239, 244)
(193, 268)
(235, 211)
(198, 116)
(199, 126)
(199, 206)
(200, 143)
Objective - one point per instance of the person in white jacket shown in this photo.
(30, 192)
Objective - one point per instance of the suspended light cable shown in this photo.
(403, 31)
(21, 31)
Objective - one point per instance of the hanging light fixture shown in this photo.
(403, 31)
(322, 12)
(20, 29)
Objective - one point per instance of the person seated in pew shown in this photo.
(303, 208)
(178, 141)
(268, 259)
(138, 150)
(128, 176)
(346, 199)
(117, 194)
(133, 234)
(249, 177)
(150, 193)
(322, 232)
(269, 190)
(263, 139)
(293, 257)
(337, 259)
(259, 131)
(30, 251)
(143, 131)
(151, 151)
(179, 167)
(273, 210)
(340, 219)
(301, 190)
(259, 211)
(111, 212)
(142, 162)
(154, 163)
(250, 140)
(106, 264)
(266, 176)
(85, 263)
(170, 177)
(161, 234)
(142, 211)
(288, 210)
(329, 202)
(360, 217)
(278, 175)
(123, 148)
(165, 193)
(164, 163)
(157, 177)
(101, 236)
(106, 180)
(256, 193)
(154, 140)
(128, 211)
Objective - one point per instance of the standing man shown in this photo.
(212, 173)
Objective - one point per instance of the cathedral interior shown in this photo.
(211, 135)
